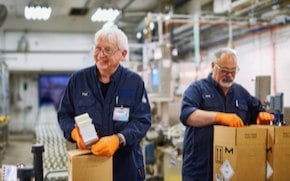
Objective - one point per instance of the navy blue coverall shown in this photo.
(83, 95)
(205, 94)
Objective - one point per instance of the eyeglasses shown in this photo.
(106, 51)
(226, 70)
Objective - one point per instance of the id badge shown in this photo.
(121, 114)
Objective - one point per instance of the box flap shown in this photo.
(282, 135)
(247, 135)
(277, 134)
(224, 134)
(251, 135)
(270, 136)
(77, 152)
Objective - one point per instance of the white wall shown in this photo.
(266, 54)
(47, 51)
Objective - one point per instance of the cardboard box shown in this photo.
(82, 165)
(278, 153)
(239, 153)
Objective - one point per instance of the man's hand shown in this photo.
(229, 119)
(76, 136)
(106, 146)
(264, 118)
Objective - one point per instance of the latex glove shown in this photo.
(229, 119)
(264, 118)
(106, 146)
(76, 136)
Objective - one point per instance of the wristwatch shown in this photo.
(121, 141)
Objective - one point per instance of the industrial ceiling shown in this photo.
(74, 15)
(216, 17)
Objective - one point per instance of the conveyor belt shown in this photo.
(50, 135)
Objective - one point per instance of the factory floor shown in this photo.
(18, 151)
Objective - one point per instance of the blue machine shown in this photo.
(276, 105)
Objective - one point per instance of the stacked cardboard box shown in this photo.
(278, 153)
(85, 166)
(239, 153)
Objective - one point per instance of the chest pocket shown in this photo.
(210, 102)
(125, 102)
(85, 103)
(125, 98)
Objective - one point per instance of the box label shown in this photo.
(269, 170)
(227, 170)
(218, 154)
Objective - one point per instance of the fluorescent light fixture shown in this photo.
(105, 15)
(37, 12)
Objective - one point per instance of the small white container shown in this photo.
(87, 129)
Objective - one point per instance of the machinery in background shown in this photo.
(175, 134)
(272, 103)
(276, 106)
(163, 148)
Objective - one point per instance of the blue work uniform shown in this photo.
(126, 89)
(205, 94)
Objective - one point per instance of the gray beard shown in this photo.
(226, 83)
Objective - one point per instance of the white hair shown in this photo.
(228, 51)
(113, 35)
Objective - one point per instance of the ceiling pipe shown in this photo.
(187, 45)
(207, 21)
(127, 5)
(257, 6)
(123, 9)
(223, 39)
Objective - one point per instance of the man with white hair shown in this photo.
(216, 99)
(116, 100)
